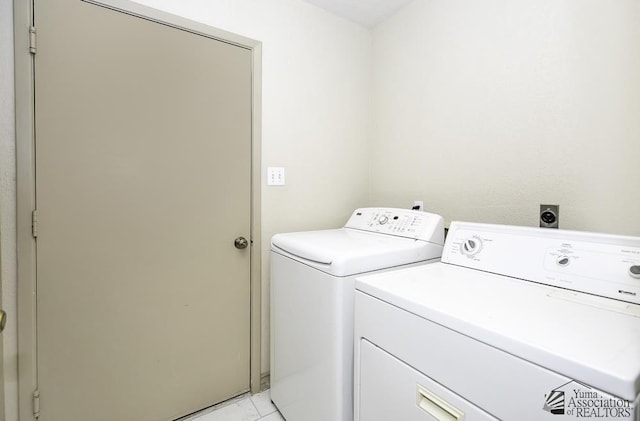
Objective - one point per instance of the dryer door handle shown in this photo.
(437, 407)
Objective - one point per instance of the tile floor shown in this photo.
(242, 408)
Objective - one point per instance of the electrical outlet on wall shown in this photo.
(275, 176)
(549, 216)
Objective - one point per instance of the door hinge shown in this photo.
(34, 223)
(36, 403)
(32, 39)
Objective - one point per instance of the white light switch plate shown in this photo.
(275, 176)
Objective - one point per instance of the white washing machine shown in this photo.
(312, 286)
(515, 323)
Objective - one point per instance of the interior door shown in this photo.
(143, 166)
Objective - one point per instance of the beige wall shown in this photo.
(485, 109)
(7, 208)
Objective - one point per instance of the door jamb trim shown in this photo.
(26, 200)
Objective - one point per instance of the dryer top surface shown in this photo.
(592, 339)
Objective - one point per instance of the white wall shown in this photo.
(316, 90)
(486, 109)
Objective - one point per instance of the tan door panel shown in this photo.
(143, 182)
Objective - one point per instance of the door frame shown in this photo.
(26, 187)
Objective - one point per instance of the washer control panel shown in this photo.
(605, 265)
(399, 222)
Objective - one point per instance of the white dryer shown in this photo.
(312, 287)
(515, 323)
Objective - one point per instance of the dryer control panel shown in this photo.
(399, 222)
(599, 264)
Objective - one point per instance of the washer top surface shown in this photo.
(371, 240)
(590, 338)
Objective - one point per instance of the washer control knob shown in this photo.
(634, 271)
(471, 246)
(563, 261)
(383, 219)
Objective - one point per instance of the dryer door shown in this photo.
(390, 389)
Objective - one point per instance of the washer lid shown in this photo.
(345, 251)
(591, 339)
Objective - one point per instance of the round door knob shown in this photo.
(241, 243)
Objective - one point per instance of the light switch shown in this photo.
(275, 176)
